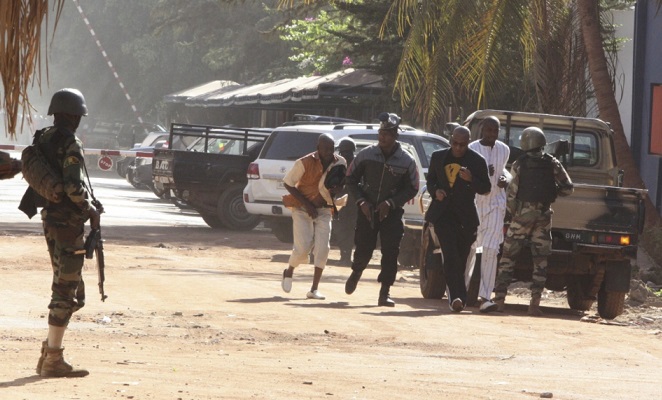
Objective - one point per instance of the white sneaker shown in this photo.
(286, 283)
(488, 306)
(315, 294)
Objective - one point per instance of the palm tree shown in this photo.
(604, 93)
(463, 44)
(20, 55)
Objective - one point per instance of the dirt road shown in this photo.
(199, 314)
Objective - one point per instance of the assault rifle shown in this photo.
(94, 247)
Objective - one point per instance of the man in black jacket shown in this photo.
(454, 177)
(382, 178)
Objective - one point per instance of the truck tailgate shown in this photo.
(162, 167)
(600, 209)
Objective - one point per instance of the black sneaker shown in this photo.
(352, 281)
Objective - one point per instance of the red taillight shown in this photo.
(253, 171)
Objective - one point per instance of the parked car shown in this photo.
(209, 175)
(137, 170)
(264, 191)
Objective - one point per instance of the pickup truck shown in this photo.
(210, 174)
(595, 231)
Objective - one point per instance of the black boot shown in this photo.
(384, 298)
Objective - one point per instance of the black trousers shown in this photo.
(455, 240)
(390, 232)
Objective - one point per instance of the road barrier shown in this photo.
(99, 152)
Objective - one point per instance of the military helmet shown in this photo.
(389, 121)
(68, 101)
(532, 138)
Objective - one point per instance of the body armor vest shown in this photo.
(536, 180)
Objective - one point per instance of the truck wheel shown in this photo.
(407, 257)
(474, 284)
(160, 193)
(610, 304)
(232, 211)
(576, 292)
(212, 221)
(432, 279)
(283, 230)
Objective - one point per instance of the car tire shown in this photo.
(212, 221)
(432, 279)
(576, 292)
(610, 304)
(232, 211)
(283, 230)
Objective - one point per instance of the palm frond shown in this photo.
(20, 52)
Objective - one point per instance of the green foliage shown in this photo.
(159, 47)
(317, 50)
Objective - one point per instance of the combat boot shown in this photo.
(44, 344)
(534, 307)
(54, 365)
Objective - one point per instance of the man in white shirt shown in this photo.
(491, 208)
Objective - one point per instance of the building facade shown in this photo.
(646, 143)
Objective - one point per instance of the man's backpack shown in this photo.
(39, 174)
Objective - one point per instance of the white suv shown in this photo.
(264, 191)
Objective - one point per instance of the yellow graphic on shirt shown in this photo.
(451, 172)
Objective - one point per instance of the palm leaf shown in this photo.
(20, 52)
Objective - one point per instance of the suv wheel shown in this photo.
(282, 230)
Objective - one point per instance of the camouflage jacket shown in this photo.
(64, 151)
(564, 186)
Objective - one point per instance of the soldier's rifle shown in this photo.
(94, 242)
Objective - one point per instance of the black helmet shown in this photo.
(68, 101)
(346, 144)
(389, 121)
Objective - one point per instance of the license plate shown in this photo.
(162, 165)
(576, 237)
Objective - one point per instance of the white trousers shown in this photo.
(490, 236)
(311, 234)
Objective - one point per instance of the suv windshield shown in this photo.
(289, 145)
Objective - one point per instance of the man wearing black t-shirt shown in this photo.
(454, 177)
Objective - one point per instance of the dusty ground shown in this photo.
(199, 314)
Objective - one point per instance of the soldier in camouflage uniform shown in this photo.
(64, 226)
(537, 179)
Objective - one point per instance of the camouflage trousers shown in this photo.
(68, 288)
(531, 226)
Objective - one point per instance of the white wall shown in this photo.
(624, 70)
